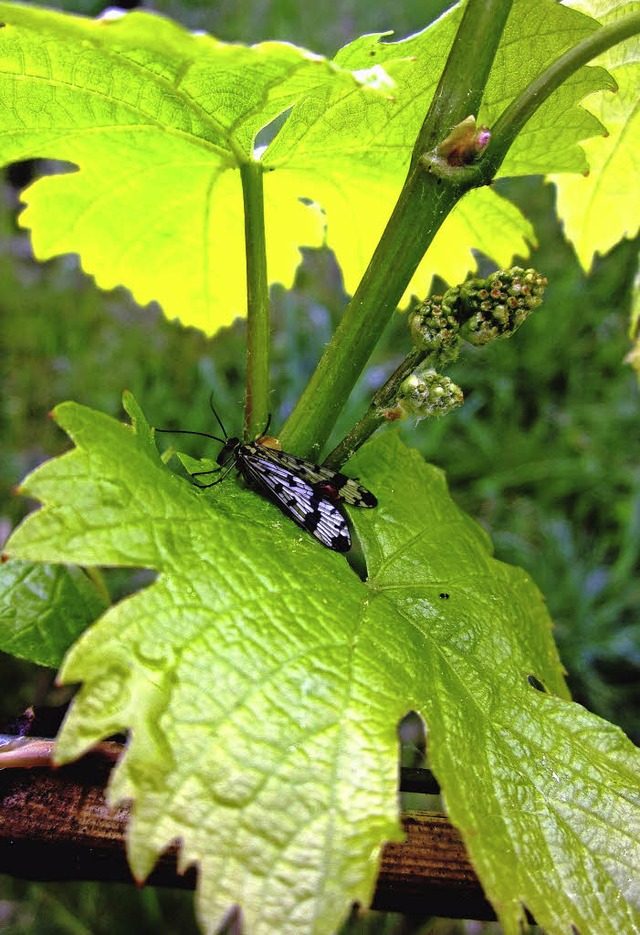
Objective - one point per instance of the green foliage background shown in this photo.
(545, 452)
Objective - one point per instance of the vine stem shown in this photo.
(375, 416)
(424, 202)
(258, 308)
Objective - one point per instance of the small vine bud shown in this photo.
(495, 307)
(466, 141)
(433, 325)
(427, 394)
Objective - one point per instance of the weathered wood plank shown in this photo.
(56, 825)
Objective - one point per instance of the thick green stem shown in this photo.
(258, 311)
(425, 200)
(422, 206)
(465, 73)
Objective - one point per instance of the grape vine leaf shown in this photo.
(160, 122)
(602, 207)
(261, 681)
(44, 609)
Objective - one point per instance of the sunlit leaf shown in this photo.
(262, 682)
(157, 124)
(602, 207)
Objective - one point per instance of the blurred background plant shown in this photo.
(545, 453)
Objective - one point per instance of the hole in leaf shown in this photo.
(536, 683)
(413, 740)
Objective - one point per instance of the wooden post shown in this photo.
(56, 825)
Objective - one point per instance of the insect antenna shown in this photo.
(189, 432)
(200, 473)
(216, 438)
(217, 417)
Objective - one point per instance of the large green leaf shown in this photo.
(604, 205)
(262, 682)
(160, 121)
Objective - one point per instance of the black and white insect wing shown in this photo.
(298, 499)
(332, 484)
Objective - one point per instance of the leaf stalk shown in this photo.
(375, 416)
(258, 308)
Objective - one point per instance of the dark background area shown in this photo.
(545, 453)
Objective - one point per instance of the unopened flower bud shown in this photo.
(495, 307)
(427, 394)
(433, 325)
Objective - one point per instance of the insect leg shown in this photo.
(266, 428)
(213, 482)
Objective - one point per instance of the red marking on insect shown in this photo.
(328, 491)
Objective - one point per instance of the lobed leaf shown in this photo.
(159, 121)
(261, 682)
(242, 675)
(601, 208)
(369, 147)
(546, 795)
